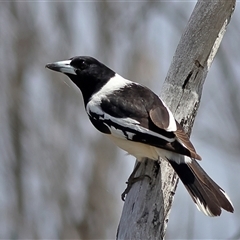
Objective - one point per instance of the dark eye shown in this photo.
(82, 64)
(79, 64)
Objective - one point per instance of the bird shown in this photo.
(139, 122)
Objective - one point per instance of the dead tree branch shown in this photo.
(147, 207)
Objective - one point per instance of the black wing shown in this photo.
(137, 114)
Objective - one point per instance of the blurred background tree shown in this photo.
(59, 178)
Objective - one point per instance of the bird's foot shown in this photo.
(130, 182)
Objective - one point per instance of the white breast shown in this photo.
(141, 151)
(138, 150)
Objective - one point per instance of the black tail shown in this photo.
(206, 194)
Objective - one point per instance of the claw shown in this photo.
(131, 180)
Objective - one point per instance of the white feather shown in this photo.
(226, 196)
(115, 83)
(202, 208)
(136, 149)
(178, 158)
(123, 122)
(172, 127)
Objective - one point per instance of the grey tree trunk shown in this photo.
(146, 210)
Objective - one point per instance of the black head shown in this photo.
(86, 72)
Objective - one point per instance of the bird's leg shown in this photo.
(131, 180)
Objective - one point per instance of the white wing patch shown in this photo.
(122, 122)
(120, 134)
(125, 124)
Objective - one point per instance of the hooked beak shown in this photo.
(62, 66)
